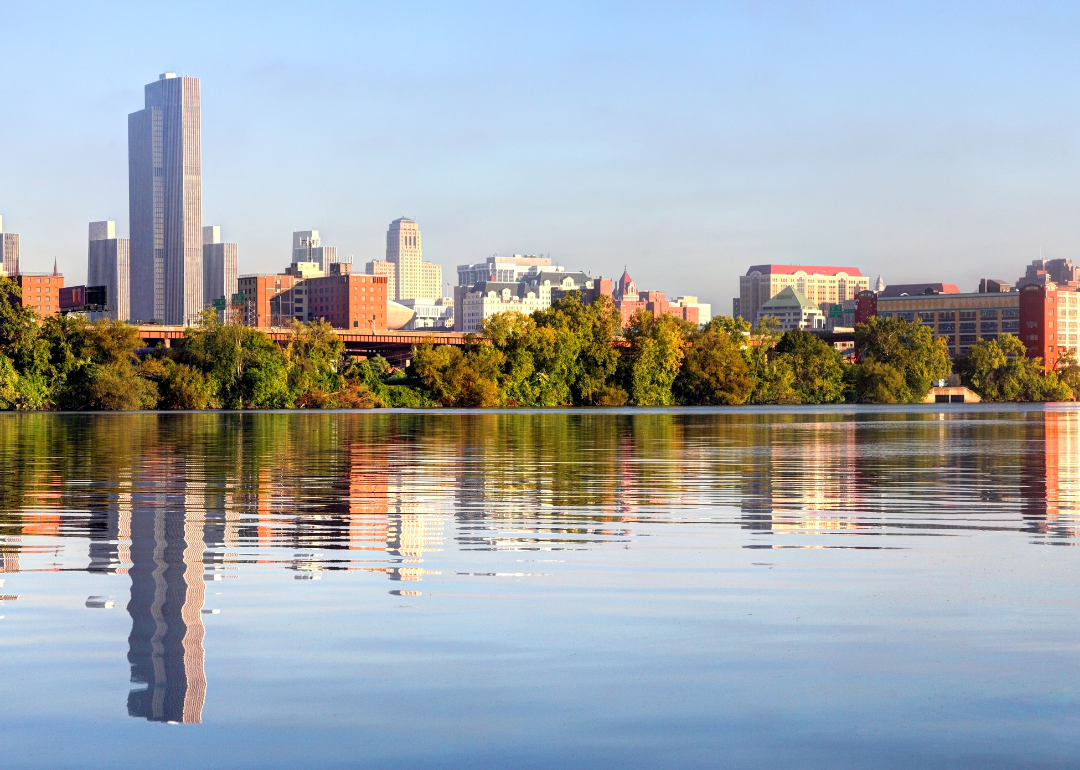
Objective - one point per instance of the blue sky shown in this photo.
(922, 141)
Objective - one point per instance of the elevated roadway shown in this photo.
(395, 346)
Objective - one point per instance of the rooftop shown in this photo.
(789, 298)
(912, 289)
(808, 269)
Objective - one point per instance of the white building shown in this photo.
(219, 266)
(793, 310)
(704, 308)
(504, 269)
(430, 314)
(487, 298)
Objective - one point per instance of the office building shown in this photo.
(259, 291)
(793, 311)
(628, 301)
(704, 308)
(1048, 321)
(108, 265)
(343, 300)
(307, 247)
(437, 314)
(41, 291)
(386, 270)
(474, 303)
(9, 244)
(960, 319)
(504, 269)
(219, 266)
(165, 201)
(822, 285)
(413, 278)
(916, 289)
(1059, 272)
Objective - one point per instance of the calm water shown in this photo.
(534, 590)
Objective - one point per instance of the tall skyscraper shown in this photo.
(10, 247)
(108, 264)
(413, 277)
(219, 266)
(165, 200)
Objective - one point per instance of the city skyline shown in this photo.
(926, 135)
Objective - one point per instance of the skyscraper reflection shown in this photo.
(165, 648)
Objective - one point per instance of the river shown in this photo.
(848, 587)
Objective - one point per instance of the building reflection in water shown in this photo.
(165, 648)
(1050, 480)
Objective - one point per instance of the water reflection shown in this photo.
(165, 648)
(180, 501)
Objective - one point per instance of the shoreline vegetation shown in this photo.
(569, 354)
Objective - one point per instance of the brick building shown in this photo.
(258, 291)
(1048, 321)
(343, 300)
(41, 291)
(628, 300)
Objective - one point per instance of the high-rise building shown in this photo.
(307, 247)
(10, 247)
(387, 270)
(108, 264)
(414, 278)
(1045, 271)
(219, 266)
(165, 201)
(823, 286)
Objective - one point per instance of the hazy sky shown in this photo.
(925, 141)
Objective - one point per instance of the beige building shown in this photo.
(960, 319)
(387, 271)
(822, 285)
(793, 311)
(412, 276)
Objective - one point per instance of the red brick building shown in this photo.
(628, 300)
(343, 300)
(1048, 322)
(258, 291)
(41, 291)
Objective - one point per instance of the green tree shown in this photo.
(655, 349)
(817, 367)
(999, 370)
(22, 343)
(714, 370)
(770, 375)
(314, 359)
(457, 377)
(246, 368)
(580, 354)
(1068, 371)
(877, 383)
(907, 347)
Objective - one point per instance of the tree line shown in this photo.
(568, 354)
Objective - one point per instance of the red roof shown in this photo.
(808, 269)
